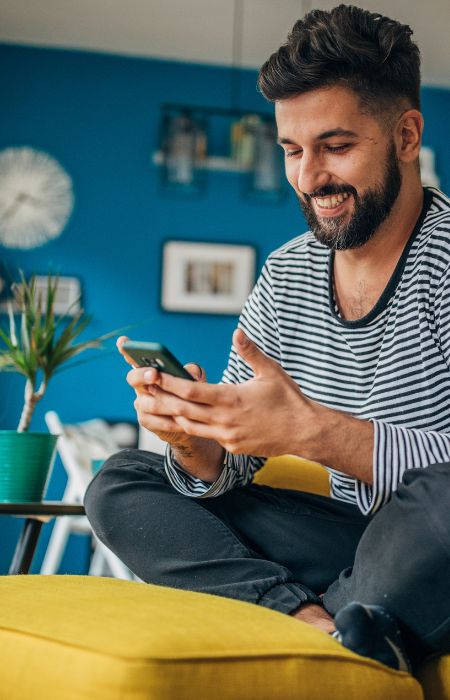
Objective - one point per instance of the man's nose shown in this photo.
(311, 175)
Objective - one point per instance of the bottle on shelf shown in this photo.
(267, 172)
(243, 140)
(184, 150)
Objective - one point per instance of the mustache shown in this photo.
(329, 191)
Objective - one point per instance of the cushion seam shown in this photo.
(239, 655)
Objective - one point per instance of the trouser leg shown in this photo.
(403, 561)
(274, 547)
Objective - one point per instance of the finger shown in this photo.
(141, 377)
(196, 371)
(209, 432)
(160, 424)
(119, 343)
(192, 427)
(250, 352)
(148, 407)
(199, 392)
(168, 404)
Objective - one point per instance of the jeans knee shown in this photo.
(430, 486)
(435, 474)
(117, 486)
(425, 495)
(96, 501)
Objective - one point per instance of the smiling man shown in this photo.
(339, 216)
(342, 356)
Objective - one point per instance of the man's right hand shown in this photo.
(162, 426)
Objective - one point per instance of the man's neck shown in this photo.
(361, 274)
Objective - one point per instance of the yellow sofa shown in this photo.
(88, 638)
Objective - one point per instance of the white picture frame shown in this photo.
(214, 278)
(67, 298)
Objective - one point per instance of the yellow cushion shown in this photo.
(434, 676)
(86, 638)
(288, 472)
(291, 472)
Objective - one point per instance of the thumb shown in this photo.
(119, 342)
(196, 371)
(250, 352)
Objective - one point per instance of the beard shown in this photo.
(370, 210)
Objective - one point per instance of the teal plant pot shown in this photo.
(26, 460)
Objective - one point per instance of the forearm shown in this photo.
(201, 458)
(337, 439)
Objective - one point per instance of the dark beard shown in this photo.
(370, 210)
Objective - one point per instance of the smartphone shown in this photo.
(157, 356)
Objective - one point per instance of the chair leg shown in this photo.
(104, 561)
(97, 566)
(56, 545)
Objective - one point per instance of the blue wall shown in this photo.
(99, 116)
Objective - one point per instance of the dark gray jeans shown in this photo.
(281, 548)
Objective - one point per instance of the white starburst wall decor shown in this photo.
(36, 198)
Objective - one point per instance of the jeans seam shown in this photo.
(252, 555)
(426, 637)
(281, 583)
(435, 527)
(230, 534)
(311, 514)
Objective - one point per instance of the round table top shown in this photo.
(42, 508)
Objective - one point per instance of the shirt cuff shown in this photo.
(397, 449)
(190, 485)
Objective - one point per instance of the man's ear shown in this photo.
(408, 135)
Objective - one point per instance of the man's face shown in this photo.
(342, 166)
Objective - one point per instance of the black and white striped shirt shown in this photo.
(390, 367)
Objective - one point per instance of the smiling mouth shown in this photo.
(332, 202)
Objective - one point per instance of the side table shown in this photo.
(36, 514)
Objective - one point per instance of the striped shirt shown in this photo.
(390, 367)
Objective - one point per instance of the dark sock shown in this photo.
(370, 631)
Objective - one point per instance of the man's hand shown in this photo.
(267, 415)
(164, 427)
(255, 417)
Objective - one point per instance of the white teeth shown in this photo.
(332, 202)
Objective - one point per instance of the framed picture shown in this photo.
(214, 278)
(67, 299)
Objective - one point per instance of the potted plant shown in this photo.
(37, 346)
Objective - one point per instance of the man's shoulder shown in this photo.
(438, 214)
(435, 229)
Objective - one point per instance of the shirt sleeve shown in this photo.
(258, 320)
(398, 448)
(238, 470)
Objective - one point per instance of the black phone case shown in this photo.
(158, 357)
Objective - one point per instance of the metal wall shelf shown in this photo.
(218, 163)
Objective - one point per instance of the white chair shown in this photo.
(151, 442)
(77, 446)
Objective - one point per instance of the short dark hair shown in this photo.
(363, 51)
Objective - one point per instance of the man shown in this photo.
(342, 356)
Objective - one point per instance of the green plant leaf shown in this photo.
(45, 343)
(7, 341)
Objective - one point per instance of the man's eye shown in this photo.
(330, 149)
(337, 149)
